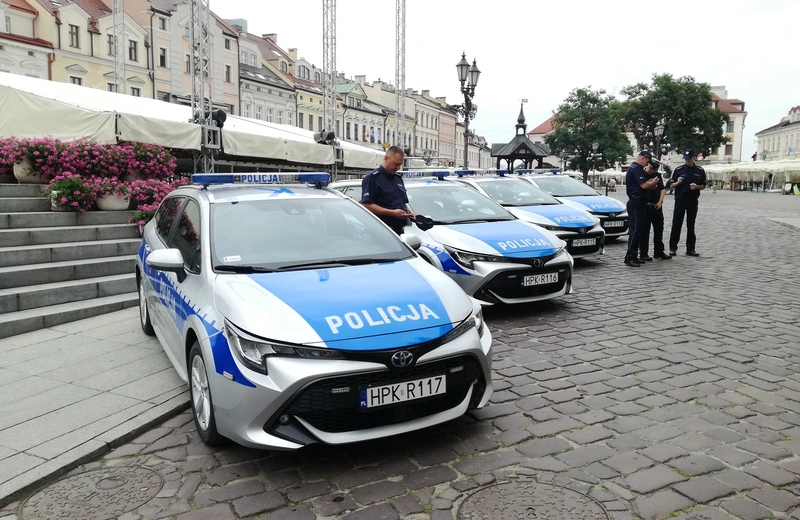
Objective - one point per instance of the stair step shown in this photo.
(34, 296)
(21, 276)
(13, 204)
(20, 322)
(39, 219)
(46, 253)
(20, 190)
(60, 235)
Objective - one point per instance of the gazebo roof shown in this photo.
(520, 142)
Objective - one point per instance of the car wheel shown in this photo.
(144, 313)
(611, 239)
(200, 395)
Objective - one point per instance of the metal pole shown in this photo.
(466, 130)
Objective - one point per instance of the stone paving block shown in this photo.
(215, 512)
(724, 435)
(664, 452)
(756, 432)
(696, 442)
(336, 504)
(261, 503)
(660, 504)
(594, 416)
(627, 442)
(542, 447)
(357, 477)
(628, 424)
(528, 390)
(563, 396)
(601, 471)
(570, 408)
(746, 509)
(533, 402)
(378, 491)
(765, 409)
(703, 489)
(475, 465)
(556, 426)
(308, 490)
(768, 473)
(408, 505)
(659, 432)
(704, 513)
(228, 492)
(544, 414)
(732, 456)
(598, 402)
(587, 455)
(509, 422)
(376, 512)
(229, 473)
(628, 462)
(774, 499)
(545, 464)
(589, 434)
(630, 394)
(626, 409)
(762, 449)
(652, 479)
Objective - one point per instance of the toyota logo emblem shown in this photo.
(612, 215)
(582, 231)
(402, 358)
(538, 262)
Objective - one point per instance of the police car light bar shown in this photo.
(425, 173)
(539, 170)
(208, 179)
(462, 173)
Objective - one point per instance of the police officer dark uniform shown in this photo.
(654, 217)
(637, 185)
(688, 180)
(384, 194)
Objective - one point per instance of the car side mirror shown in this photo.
(412, 241)
(170, 260)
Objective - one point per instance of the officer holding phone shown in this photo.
(688, 180)
(384, 193)
(637, 186)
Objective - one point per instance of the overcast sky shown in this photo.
(542, 50)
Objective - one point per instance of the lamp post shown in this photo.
(468, 76)
(594, 155)
(564, 157)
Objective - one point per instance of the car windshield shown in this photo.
(516, 192)
(563, 186)
(452, 204)
(266, 235)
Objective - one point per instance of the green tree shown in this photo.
(584, 118)
(682, 106)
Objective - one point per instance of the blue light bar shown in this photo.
(424, 173)
(207, 179)
(462, 173)
(539, 170)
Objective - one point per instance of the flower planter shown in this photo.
(54, 203)
(113, 202)
(24, 175)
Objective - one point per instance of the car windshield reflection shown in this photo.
(275, 235)
(563, 186)
(516, 192)
(452, 204)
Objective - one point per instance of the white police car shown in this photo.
(611, 212)
(491, 254)
(296, 316)
(580, 230)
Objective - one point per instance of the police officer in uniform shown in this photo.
(688, 180)
(384, 194)
(655, 217)
(637, 185)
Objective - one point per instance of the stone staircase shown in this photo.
(57, 267)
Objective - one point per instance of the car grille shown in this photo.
(340, 412)
(508, 284)
(585, 250)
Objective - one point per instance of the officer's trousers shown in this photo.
(637, 213)
(684, 205)
(654, 217)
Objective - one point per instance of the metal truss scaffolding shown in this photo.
(400, 76)
(200, 62)
(329, 65)
(118, 37)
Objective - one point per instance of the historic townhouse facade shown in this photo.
(21, 52)
(426, 134)
(780, 141)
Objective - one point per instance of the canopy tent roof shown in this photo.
(36, 108)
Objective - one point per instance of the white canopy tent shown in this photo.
(36, 108)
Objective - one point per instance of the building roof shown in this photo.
(21, 5)
(226, 28)
(345, 88)
(164, 6)
(779, 126)
(546, 127)
(725, 104)
(24, 39)
(520, 140)
(262, 75)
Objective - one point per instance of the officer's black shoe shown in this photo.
(673, 252)
(632, 262)
(663, 256)
(692, 253)
(645, 258)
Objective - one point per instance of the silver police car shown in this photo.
(490, 253)
(580, 230)
(296, 316)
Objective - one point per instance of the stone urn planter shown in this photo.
(113, 202)
(24, 175)
(54, 204)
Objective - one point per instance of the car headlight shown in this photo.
(476, 321)
(551, 227)
(467, 259)
(253, 352)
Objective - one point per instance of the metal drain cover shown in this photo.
(530, 500)
(100, 494)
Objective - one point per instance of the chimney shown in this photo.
(377, 84)
(293, 54)
(410, 91)
(340, 75)
(273, 37)
(426, 93)
(361, 80)
(443, 99)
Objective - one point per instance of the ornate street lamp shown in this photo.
(594, 155)
(468, 76)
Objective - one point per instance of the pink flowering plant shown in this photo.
(148, 194)
(43, 154)
(109, 186)
(149, 161)
(70, 191)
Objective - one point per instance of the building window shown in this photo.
(162, 23)
(253, 60)
(187, 65)
(162, 57)
(133, 51)
(347, 129)
(163, 96)
(300, 119)
(8, 24)
(243, 57)
(136, 91)
(319, 123)
(317, 77)
(228, 74)
(730, 127)
(280, 117)
(227, 43)
(270, 114)
(76, 80)
(284, 67)
(110, 44)
(247, 110)
(74, 38)
(259, 110)
(728, 149)
(186, 31)
(311, 122)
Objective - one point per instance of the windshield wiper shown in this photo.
(335, 263)
(473, 221)
(243, 269)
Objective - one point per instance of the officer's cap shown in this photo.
(646, 153)
(688, 154)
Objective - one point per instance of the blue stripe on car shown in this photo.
(599, 203)
(561, 215)
(510, 238)
(366, 307)
(448, 264)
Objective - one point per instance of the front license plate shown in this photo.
(614, 223)
(539, 279)
(578, 242)
(401, 392)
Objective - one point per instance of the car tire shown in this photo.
(611, 239)
(200, 397)
(144, 312)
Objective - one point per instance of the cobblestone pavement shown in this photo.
(667, 390)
